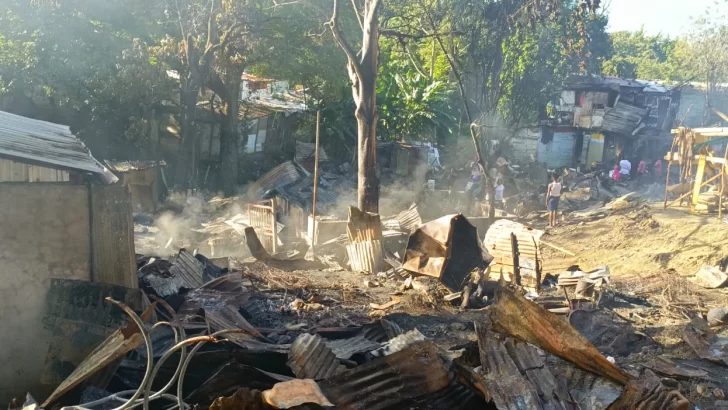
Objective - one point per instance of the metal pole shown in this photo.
(315, 182)
(722, 183)
(669, 162)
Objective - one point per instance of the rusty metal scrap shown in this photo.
(515, 316)
(188, 268)
(516, 376)
(447, 248)
(399, 343)
(231, 376)
(647, 393)
(381, 331)
(705, 343)
(310, 358)
(391, 380)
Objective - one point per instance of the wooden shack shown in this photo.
(142, 178)
(701, 155)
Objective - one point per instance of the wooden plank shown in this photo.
(700, 173)
(112, 226)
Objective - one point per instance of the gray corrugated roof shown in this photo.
(138, 165)
(44, 143)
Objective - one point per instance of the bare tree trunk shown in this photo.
(229, 135)
(363, 68)
(188, 133)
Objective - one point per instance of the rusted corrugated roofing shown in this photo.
(311, 358)
(52, 145)
(280, 176)
(139, 165)
(409, 219)
(400, 343)
(391, 380)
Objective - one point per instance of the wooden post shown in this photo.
(516, 260)
(274, 234)
(315, 182)
(722, 183)
(669, 162)
(698, 183)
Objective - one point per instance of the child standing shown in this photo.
(553, 195)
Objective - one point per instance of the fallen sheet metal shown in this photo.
(408, 220)
(515, 316)
(516, 375)
(589, 391)
(231, 376)
(189, 269)
(381, 331)
(647, 393)
(667, 368)
(220, 300)
(280, 176)
(79, 320)
(364, 250)
(391, 380)
(116, 346)
(705, 343)
(447, 248)
(345, 348)
(311, 358)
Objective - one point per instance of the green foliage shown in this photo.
(638, 55)
(411, 104)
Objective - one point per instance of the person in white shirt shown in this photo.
(553, 195)
(625, 167)
(499, 188)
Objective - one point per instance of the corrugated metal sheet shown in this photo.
(409, 219)
(12, 171)
(345, 348)
(623, 118)
(140, 165)
(391, 380)
(498, 242)
(595, 151)
(280, 176)
(381, 330)
(456, 396)
(311, 358)
(305, 151)
(559, 152)
(188, 269)
(27, 140)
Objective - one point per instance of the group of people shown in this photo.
(623, 170)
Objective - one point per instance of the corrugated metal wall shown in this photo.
(560, 151)
(11, 171)
(525, 144)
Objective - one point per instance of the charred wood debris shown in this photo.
(216, 337)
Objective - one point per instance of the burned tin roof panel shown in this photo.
(52, 145)
(623, 118)
(400, 343)
(310, 358)
(345, 348)
(139, 165)
(187, 268)
(280, 176)
(390, 381)
(381, 330)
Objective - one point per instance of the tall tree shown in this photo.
(363, 68)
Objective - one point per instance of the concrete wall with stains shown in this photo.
(44, 234)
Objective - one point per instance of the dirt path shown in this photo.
(640, 241)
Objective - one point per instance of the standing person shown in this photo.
(552, 199)
(615, 173)
(657, 170)
(499, 188)
(641, 170)
(625, 168)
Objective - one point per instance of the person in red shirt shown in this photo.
(658, 170)
(641, 171)
(615, 173)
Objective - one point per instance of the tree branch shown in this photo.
(338, 36)
(400, 35)
(356, 12)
